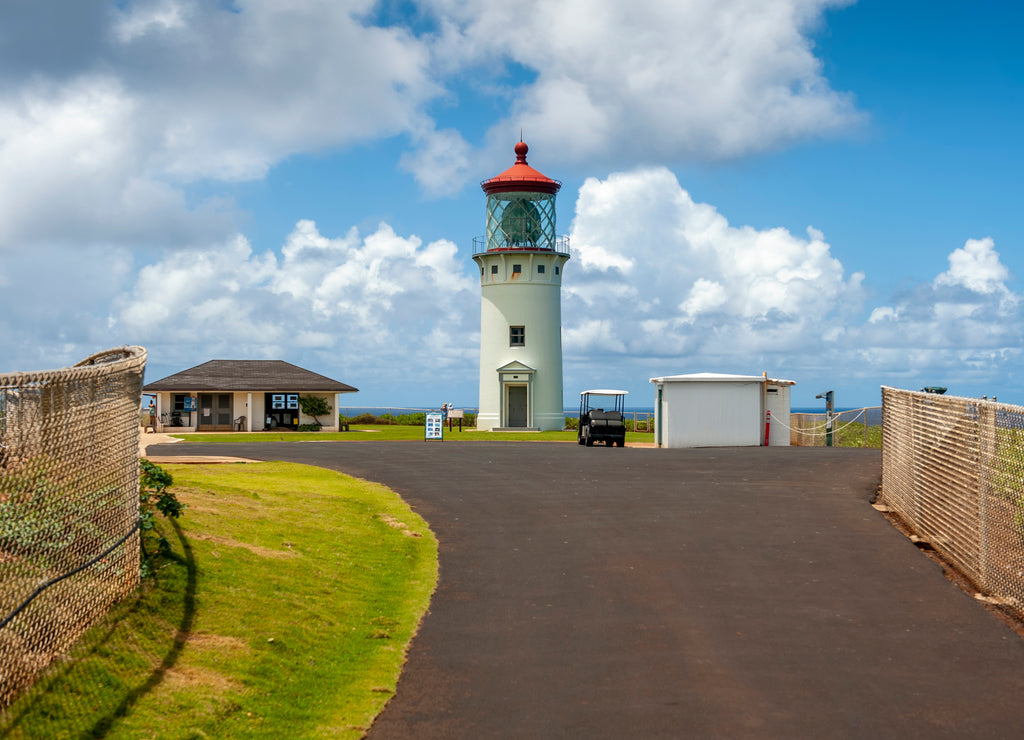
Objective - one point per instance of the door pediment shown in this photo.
(516, 367)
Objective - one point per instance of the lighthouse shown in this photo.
(521, 262)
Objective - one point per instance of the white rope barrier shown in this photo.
(824, 426)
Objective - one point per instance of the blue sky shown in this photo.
(825, 191)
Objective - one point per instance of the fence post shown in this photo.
(987, 454)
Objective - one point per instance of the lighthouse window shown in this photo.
(494, 269)
(517, 336)
(556, 269)
(540, 269)
(517, 268)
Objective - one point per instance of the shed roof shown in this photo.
(719, 378)
(248, 375)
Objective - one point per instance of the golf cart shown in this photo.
(599, 425)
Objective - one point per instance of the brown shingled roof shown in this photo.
(248, 375)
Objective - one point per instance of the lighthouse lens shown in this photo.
(520, 220)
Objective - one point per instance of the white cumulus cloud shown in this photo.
(673, 275)
(615, 82)
(977, 267)
(377, 304)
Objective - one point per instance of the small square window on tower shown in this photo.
(517, 336)
(540, 269)
(517, 269)
(494, 269)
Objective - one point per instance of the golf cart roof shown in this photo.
(603, 392)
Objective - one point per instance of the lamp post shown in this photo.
(829, 407)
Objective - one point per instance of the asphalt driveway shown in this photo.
(614, 593)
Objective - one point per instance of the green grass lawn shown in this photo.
(856, 434)
(285, 610)
(393, 432)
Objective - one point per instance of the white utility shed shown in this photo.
(716, 410)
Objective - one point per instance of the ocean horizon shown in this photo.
(874, 415)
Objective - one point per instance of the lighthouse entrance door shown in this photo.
(517, 404)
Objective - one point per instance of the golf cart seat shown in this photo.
(601, 418)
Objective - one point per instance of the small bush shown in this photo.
(314, 406)
(364, 419)
(308, 428)
(154, 496)
(412, 420)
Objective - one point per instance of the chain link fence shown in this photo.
(953, 470)
(69, 506)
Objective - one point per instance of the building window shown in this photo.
(517, 336)
(178, 402)
(556, 269)
(494, 269)
(540, 269)
(517, 269)
(481, 272)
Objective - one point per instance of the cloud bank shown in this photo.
(128, 127)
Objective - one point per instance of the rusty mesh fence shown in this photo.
(953, 469)
(69, 506)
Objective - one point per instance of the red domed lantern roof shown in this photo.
(521, 177)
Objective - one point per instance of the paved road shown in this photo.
(614, 593)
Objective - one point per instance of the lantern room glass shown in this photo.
(520, 221)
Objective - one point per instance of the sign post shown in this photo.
(454, 414)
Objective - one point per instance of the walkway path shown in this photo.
(613, 593)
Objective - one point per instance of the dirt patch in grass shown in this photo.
(217, 642)
(263, 552)
(399, 525)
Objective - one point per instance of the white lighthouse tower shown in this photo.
(521, 261)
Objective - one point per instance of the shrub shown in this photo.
(364, 419)
(412, 420)
(154, 496)
(314, 406)
(308, 428)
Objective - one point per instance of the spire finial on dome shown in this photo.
(521, 150)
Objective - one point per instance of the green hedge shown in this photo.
(409, 420)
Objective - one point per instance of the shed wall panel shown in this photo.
(713, 414)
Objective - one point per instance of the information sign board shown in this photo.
(434, 427)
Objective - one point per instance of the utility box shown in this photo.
(718, 410)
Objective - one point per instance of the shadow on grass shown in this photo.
(184, 628)
(110, 670)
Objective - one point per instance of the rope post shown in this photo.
(829, 406)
